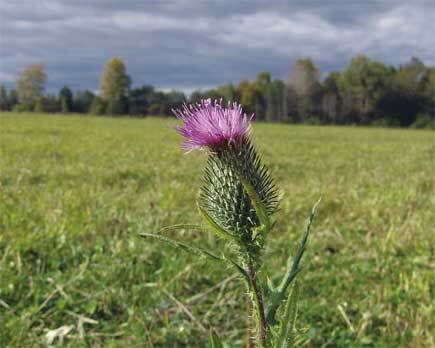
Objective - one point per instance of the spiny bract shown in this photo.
(224, 131)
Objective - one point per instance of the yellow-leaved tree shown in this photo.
(30, 84)
(114, 85)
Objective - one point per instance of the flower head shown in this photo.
(212, 125)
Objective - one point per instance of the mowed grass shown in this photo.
(76, 191)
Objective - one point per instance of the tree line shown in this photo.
(365, 92)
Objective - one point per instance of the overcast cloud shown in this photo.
(190, 44)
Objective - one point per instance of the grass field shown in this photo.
(75, 191)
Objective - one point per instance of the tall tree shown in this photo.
(140, 100)
(117, 106)
(428, 90)
(31, 83)
(83, 101)
(98, 106)
(247, 93)
(261, 86)
(114, 85)
(4, 102)
(405, 97)
(173, 99)
(227, 93)
(362, 85)
(66, 99)
(48, 103)
(305, 81)
(291, 104)
(331, 98)
(276, 101)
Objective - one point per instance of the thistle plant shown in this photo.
(237, 201)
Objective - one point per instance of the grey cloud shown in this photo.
(192, 44)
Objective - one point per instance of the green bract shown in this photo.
(230, 172)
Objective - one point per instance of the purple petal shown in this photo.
(212, 125)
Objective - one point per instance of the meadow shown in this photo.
(76, 191)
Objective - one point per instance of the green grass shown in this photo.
(75, 191)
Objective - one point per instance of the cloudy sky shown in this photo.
(189, 44)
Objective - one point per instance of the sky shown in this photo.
(190, 44)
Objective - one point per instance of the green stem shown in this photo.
(250, 343)
(258, 300)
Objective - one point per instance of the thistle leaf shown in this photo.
(215, 340)
(219, 231)
(270, 287)
(292, 270)
(198, 252)
(258, 205)
(185, 247)
(239, 268)
(288, 320)
(181, 227)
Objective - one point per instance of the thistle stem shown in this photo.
(258, 300)
(250, 343)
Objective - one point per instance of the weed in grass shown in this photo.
(371, 253)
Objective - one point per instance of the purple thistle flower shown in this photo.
(212, 125)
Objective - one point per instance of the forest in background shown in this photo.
(366, 92)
